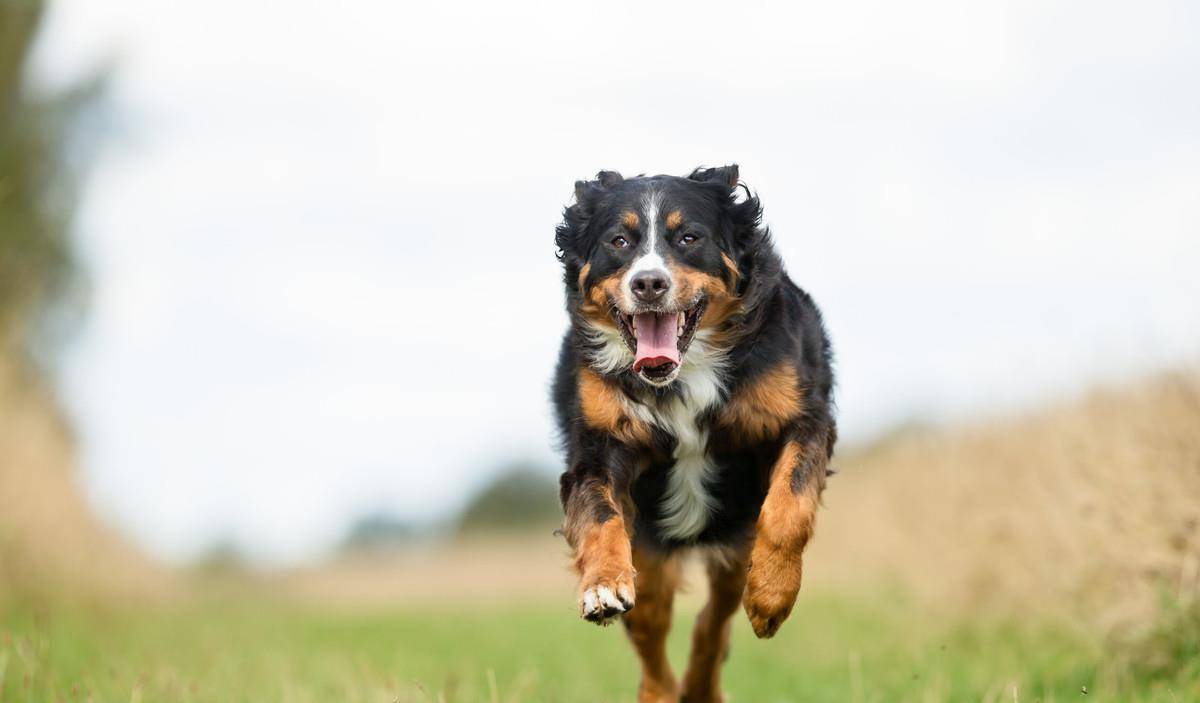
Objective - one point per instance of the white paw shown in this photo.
(603, 602)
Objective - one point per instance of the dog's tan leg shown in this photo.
(710, 637)
(596, 530)
(785, 524)
(649, 622)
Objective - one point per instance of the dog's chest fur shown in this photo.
(687, 503)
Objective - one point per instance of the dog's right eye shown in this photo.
(620, 242)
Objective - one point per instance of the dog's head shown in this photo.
(652, 261)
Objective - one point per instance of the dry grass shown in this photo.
(50, 544)
(1093, 505)
(507, 569)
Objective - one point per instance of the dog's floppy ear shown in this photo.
(725, 175)
(744, 214)
(608, 179)
(588, 192)
(569, 234)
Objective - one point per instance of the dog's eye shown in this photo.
(688, 239)
(620, 242)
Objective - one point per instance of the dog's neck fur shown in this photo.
(687, 503)
(699, 387)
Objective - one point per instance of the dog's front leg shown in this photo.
(596, 529)
(784, 527)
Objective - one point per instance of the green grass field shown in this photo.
(833, 649)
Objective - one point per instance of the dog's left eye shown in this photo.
(688, 239)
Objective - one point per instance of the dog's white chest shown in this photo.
(686, 504)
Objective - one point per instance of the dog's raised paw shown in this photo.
(771, 588)
(606, 599)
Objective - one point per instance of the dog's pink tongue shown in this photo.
(657, 341)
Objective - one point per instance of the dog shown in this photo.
(693, 394)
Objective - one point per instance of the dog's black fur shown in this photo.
(742, 418)
(694, 395)
(778, 322)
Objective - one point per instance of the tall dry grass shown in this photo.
(51, 545)
(1092, 506)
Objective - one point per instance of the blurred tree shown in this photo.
(521, 496)
(378, 531)
(224, 557)
(49, 541)
(42, 150)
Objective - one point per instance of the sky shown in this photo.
(320, 235)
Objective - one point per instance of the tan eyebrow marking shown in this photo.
(630, 219)
(674, 220)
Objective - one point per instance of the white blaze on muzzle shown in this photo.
(648, 260)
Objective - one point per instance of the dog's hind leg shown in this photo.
(710, 637)
(649, 622)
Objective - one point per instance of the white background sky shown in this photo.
(321, 240)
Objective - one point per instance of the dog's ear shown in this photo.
(608, 179)
(588, 192)
(725, 175)
(742, 210)
(568, 236)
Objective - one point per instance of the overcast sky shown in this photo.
(321, 239)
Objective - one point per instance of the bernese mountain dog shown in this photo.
(693, 395)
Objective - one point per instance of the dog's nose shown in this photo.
(649, 286)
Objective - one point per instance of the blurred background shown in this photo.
(251, 349)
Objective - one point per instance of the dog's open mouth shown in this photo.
(659, 339)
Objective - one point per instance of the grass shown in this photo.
(834, 648)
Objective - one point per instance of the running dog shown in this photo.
(694, 398)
